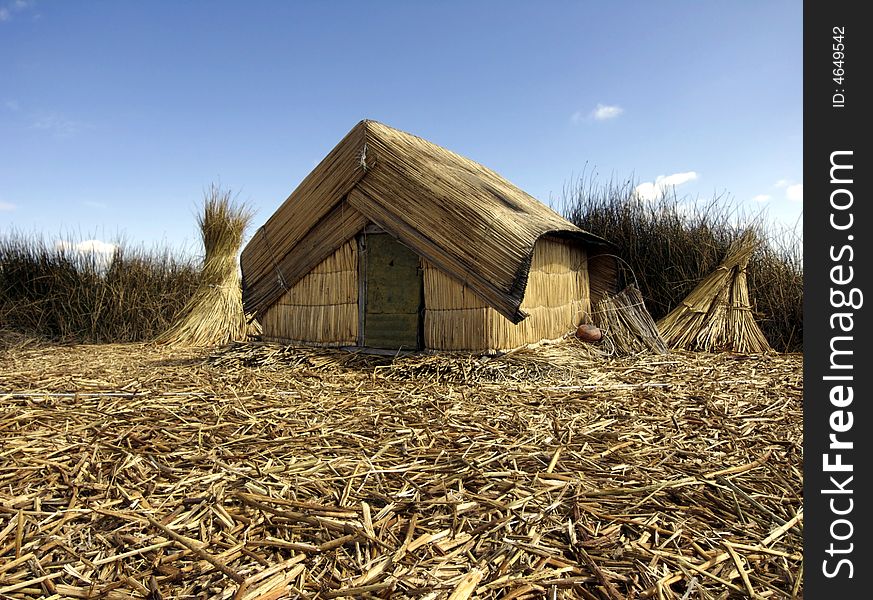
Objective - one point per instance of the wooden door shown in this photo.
(393, 296)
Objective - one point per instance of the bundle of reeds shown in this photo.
(717, 315)
(626, 323)
(214, 314)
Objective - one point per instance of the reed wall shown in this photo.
(321, 308)
(603, 276)
(556, 299)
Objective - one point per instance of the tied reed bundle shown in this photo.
(717, 314)
(627, 325)
(214, 314)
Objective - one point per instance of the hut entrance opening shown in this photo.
(392, 301)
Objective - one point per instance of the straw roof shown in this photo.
(462, 217)
(717, 314)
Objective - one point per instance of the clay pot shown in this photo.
(589, 333)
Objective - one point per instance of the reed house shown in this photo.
(394, 242)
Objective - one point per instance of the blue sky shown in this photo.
(116, 115)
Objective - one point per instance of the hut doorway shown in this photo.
(391, 297)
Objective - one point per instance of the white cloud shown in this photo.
(6, 206)
(604, 112)
(4, 14)
(761, 197)
(601, 112)
(677, 178)
(794, 192)
(647, 191)
(96, 247)
(654, 190)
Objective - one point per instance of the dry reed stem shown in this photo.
(322, 474)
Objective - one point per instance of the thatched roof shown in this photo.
(464, 218)
(717, 314)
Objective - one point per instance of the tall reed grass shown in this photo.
(51, 290)
(669, 245)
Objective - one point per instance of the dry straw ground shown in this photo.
(260, 472)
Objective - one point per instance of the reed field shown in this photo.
(51, 291)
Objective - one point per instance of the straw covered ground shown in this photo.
(129, 471)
